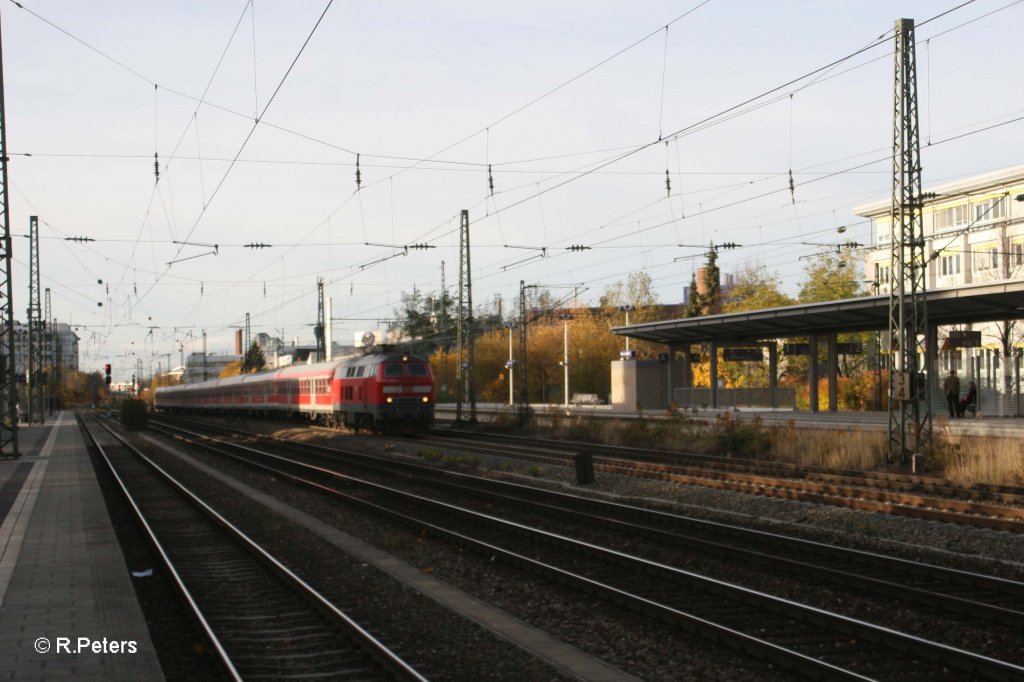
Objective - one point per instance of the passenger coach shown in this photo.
(384, 390)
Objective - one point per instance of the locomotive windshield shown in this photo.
(414, 370)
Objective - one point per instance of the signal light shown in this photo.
(106, 371)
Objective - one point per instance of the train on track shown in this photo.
(382, 390)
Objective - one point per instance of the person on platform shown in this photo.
(951, 387)
(971, 397)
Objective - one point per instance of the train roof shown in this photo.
(297, 371)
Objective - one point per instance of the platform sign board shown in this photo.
(796, 349)
(743, 354)
(964, 338)
(901, 385)
(850, 348)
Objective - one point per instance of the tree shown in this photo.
(232, 369)
(694, 307)
(253, 360)
(637, 291)
(755, 289)
(830, 276)
(428, 320)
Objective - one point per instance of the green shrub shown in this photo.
(739, 438)
(133, 415)
(431, 454)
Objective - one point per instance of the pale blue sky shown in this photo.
(398, 82)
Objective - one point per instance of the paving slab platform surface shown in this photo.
(68, 610)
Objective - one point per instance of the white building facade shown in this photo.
(974, 234)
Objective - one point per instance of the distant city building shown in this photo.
(276, 352)
(60, 348)
(195, 371)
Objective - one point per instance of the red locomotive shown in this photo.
(378, 391)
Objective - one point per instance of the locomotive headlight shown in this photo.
(425, 398)
(389, 400)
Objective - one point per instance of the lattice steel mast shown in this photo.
(910, 413)
(465, 389)
(8, 385)
(248, 334)
(34, 364)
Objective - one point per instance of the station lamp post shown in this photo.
(511, 366)
(627, 309)
(565, 355)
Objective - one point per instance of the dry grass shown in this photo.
(998, 461)
(970, 459)
(847, 449)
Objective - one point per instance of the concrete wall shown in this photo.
(639, 381)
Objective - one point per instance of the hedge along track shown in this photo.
(262, 621)
(811, 641)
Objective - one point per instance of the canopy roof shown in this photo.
(966, 304)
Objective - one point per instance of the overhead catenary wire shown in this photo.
(496, 165)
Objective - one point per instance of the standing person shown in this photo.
(951, 387)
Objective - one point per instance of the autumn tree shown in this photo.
(755, 289)
(232, 369)
(832, 276)
(80, 388)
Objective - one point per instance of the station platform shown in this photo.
(68, 609)
(988, 425)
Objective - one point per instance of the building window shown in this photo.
(954, 216)
(993, 209)
(950, 265)
(986, 258)
(881, 282)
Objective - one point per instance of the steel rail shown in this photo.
(893, 641)
(374, 647)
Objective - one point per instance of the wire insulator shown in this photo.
(490, 179)
(668, 184)
(156, 166)
(359, 175)
(792, 187)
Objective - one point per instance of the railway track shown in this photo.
(261, 620)
(814, 641)
(987, 506)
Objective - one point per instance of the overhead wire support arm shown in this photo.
(198, 255)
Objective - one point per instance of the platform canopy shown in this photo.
(967, 304)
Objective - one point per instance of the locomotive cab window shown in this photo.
(394, 370)
(418, 371)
